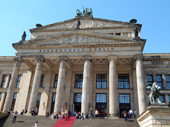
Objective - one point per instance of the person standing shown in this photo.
(15, 116)
(134, 113)
(66, 113)
(105, 112)
(91, 113)
(36, 124)
(96, 113)
(126, 116)
(36, 111)
(130, 113)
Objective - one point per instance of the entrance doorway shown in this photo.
(123, 107)
(101, 104)
(77, 107)
(124, 104)
(101, 108)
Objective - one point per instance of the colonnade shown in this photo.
(113, 100)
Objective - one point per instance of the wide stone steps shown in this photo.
(29, 121)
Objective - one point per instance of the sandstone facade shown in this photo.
(100, 47)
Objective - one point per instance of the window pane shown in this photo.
(169, 98)
(167, 78)
(39, 97)
(99, 78)
(42, 79)
(98, 84)
(78, 80)
(120, 84)
(161, 98)
(3, 84)
(15, 95)
(126, 84)
(159, 84)
(0, 96)
(54, 94)
(149, 78)
(104, 78)
(77, 97)
(103, 84)
(124, 98)
(123, 81)
(101, 81)
(158, 78)
(101, 98)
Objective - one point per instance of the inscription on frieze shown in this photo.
(77, 50)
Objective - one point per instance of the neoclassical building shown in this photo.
(82, 63)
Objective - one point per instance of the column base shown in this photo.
(28, 114)
(113, 116)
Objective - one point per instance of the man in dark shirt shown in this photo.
(91, 113)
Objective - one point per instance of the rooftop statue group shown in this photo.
(154, 95)
(87, 11)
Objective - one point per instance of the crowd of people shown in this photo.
(129, 114)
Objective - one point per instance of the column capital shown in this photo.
(112, 57)
(17, 59)
(39, 58)
(63, 58)
(138, 57)
(87, 58)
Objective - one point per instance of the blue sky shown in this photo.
(19, 15)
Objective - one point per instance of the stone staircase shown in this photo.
(2, 115)
(29, 121)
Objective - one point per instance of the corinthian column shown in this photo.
(140, 84)
(36, 84)
(112, 87)
(12, 84)
(86, 84)
(61, 80)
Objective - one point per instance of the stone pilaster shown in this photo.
(36, 84)
(141, 87)
(12, 84)
(86, 83)
(113, 100)
(61, 81)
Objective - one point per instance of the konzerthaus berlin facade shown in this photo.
(98, 65)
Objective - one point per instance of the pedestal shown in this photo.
(155, 116)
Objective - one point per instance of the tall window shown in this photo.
(56, 80)
(13, 102)
(3, 81)
(9, 80)
(53, 102)
(101, 80)
(123, 81)
(41, 80)
(38, 100)
(169, 98)
(77, 97)
(18, 81)
(162, 98)
(0, 96)
(167, 77)
(159, 80)
(101, 98)
(124, 98)
(79, 81)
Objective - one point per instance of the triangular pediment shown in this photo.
(77, 38)
(85, 23)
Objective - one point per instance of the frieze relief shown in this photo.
(78, 39)
(84, 24)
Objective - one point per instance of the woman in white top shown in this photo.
(36, 124)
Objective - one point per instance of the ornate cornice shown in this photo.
(77, 45)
